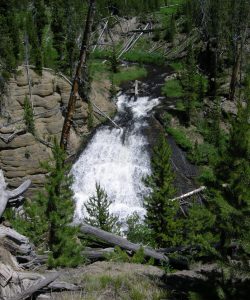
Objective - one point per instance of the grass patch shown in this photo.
(121, 287)
(101, 54)
(144, 57)
(173, 7)
(172, 88)
(180, 138)
(97, 67)
(128, 74)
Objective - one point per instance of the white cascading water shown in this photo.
(118, 160)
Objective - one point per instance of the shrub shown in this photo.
(29, 116)
(177, 66)
(204, 154)
(180, 138)
(129, 74)
(137, 231)
(144, 57)
(172, 88)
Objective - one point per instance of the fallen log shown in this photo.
(61, 285)
(194, 192)
(95, 254)
(116, 240)
(6, 195)
(36, 287)
(15, 242)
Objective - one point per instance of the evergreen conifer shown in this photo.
(97, 208)
(62, 239)
(162, 214)
(29, 116)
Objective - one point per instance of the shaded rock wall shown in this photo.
(21, 153)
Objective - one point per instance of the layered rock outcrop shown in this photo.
(20, 151)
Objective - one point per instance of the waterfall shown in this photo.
(118, 160)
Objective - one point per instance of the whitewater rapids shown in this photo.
(117, 159)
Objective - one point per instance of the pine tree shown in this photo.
(228, 197)
(40, 19)
(62, 237)
(58, 28)
(162, 214)
(36, 51)
(97, 208)
(190, 85)
(50, 214)
(171, 30)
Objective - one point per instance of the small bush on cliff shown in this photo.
(29, 116)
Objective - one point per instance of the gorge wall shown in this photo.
(20, 151)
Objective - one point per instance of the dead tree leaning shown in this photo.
(78, 80)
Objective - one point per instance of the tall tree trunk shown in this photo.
(237, 63)
(235, 72)
(82, 63)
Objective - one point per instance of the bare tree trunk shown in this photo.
(235, 72)
(77, 80)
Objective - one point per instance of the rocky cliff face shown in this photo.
(20, 151)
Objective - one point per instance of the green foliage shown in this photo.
(207, 176)
(130, 7)
(172, 88)
(193, 85)
(199, 226)
(131, 73)
(8, 43)
(138, 257)
(166, 227)
(180, 138)
(49, 215)
(177, 66)
(112, 89)
(62, 239)
(114, 62)
(120, 255)
(101, 54)
(97, 68)
(138, 232)
(29, 116)
(204, 154)
(141, 57)
(171, 30)
(97, 209)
